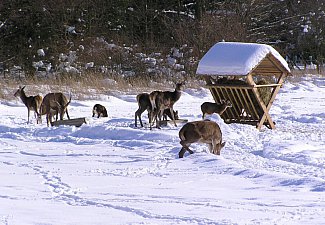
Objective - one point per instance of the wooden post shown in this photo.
(274, 93)
(266, 115)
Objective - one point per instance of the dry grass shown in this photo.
(92, 85)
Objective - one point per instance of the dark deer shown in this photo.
(100, 110)
(31, 102)
(161, 100)
(54, 104)
(210, 107)
(205, 131)
(144, 104)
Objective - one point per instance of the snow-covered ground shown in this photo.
(109, 172)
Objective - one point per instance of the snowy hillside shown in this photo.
(109, 172)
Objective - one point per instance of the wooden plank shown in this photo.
(267, 85)
(230, 86)
(71, 122)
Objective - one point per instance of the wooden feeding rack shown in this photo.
(241, 65)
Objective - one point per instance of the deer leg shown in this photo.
(215, 147)
(159, 114)
(28, 112)
(67, 114)
(36, 115)
(135, 119)
(211, 149)
(47, 118)
(138, 114)
(185, 147)
(182, 152)
(151, 116)
(173, 116)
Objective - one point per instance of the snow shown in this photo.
(235, 58)
(41, 52)
(109, 172)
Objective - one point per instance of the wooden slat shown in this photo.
(251, 103)
(242, 105)
(228, 97)
(225, 96)
(235, 102)
(71, 122)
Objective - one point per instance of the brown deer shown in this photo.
(100, 110)
(210, 107)
(161, 100)
(205, 131)
(144, 104)
(54, 104)
(31, 102)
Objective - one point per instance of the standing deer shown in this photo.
(205, 131)
(161, 100)
(31, 102)
(54, 104)
(100, 110)
(144, 104)
(210, 107)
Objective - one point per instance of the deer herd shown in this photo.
(158, 104)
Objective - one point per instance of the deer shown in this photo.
(31, 102)
(204, 131)
(54, 104)
(211, 107)
(144, 104)
(161, 100)
(100, 110)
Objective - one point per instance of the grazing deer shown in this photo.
(210, 107)
(161, 100)
(100, 110)
(54, 104)
(205, 131)
(31, 102)
(144, 104)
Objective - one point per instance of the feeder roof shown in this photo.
(235, 58)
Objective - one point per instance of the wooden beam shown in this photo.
(274, 93)
(266, 115)
(71, 122)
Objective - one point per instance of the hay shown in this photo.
(264, 93)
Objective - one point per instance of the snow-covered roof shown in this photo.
(235, 58)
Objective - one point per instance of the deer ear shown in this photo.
(23, 88)
(223, 144)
